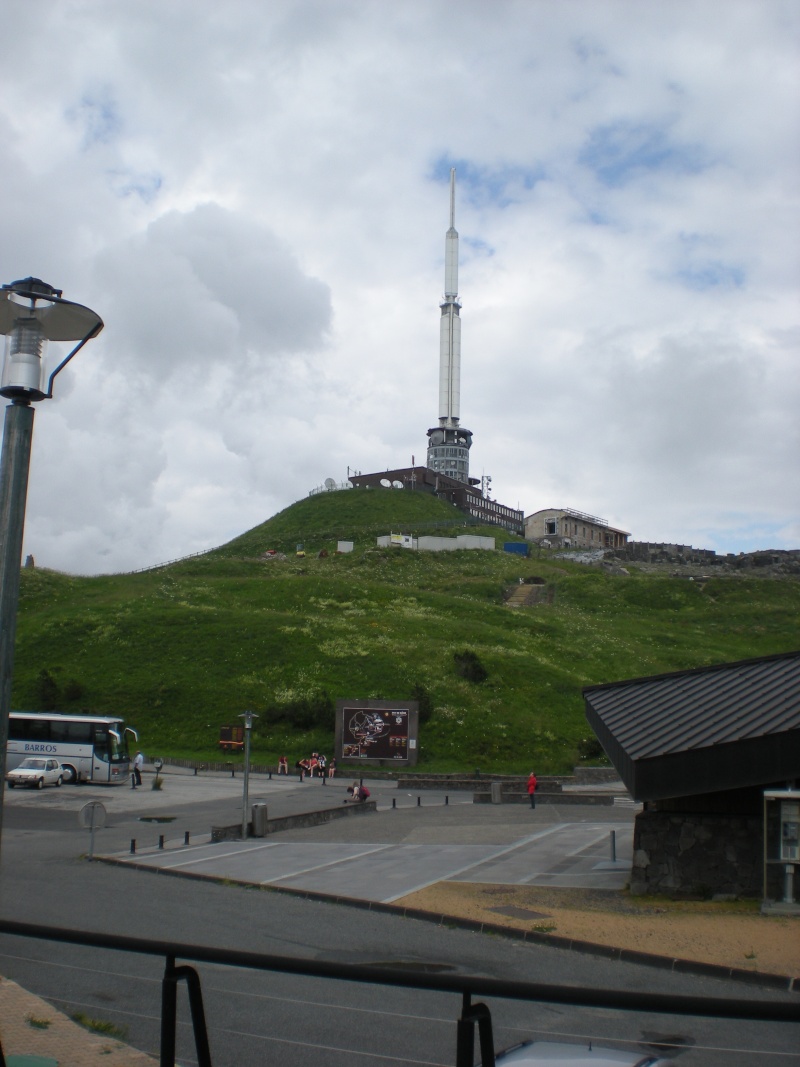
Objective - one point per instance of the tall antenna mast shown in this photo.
(448, 446)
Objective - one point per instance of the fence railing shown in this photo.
(473, 1016)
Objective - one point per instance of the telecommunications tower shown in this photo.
(449, 443)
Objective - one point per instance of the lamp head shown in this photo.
(31, 314)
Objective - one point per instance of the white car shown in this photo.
(555, 1054)
(36, 772)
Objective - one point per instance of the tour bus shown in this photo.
(90, 748)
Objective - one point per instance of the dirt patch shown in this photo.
(730, 934)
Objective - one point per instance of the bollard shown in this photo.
(233, 772)
(613, 843)
(394, 802)
(446, 800)
(195, 772)
(270, 776)
(160, 840)
(419, 802)
(186, 837)
(133, 845)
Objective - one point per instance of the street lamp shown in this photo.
(32, 313)
(248, 717)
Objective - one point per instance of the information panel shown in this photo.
(377, 731)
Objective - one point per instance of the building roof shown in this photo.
(701, 731)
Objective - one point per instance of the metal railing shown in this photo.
(473, 1016)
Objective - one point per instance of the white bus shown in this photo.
(90, 748)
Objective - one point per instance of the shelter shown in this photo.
(699, 748)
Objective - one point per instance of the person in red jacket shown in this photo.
(532, 789)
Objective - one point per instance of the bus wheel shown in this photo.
(69, 773)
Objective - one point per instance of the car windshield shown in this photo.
(32, 765)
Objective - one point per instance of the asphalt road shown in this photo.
(257, 1018)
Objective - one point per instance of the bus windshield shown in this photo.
(111, 746)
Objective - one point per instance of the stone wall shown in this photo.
(695, 854)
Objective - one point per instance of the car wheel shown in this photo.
(40, 784)
(69, 774)
(58, 781)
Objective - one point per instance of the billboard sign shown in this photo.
(377, 731)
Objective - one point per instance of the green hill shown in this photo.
(185, 648)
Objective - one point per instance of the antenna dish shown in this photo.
(348, 484)
(386, 483)
(330, 484)
(397, 485)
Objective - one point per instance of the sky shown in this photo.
(254, 198)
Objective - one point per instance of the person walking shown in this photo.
(532, 789)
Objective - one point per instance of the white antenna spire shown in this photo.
(451, 245)
(449, 442)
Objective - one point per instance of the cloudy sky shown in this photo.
(254, 198)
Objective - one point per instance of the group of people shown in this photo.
(314, 766)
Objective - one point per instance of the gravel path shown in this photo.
(729, 934)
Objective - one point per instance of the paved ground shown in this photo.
(413, 841)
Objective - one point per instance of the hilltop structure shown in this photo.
(449, 443)
(447, 472)
(567, 528)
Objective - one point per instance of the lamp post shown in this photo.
(248, 717)
(32, 313)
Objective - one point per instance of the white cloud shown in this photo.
(254, 198)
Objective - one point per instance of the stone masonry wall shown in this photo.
(688, 854)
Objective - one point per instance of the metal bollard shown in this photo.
(186, 837)
(394, 802)
(195, 772)
(270, 776)
(419, 802)
(160, 840)
(613, 844)
(133, 845)
(446, 800)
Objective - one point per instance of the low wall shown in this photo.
(694, 854)
(294, 822)
(544, 797)
(471, 782)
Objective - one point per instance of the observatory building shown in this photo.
(449, 443)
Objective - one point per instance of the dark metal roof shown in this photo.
(704, 730)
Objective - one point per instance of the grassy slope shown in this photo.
(181, 650)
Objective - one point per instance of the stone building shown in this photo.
(700, 748)
(567, 528)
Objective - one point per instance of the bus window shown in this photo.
(35, 729)
(110, 746)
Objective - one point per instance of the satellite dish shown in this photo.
(386, 483)
(348, 484)
(330, 484)
(397, 485)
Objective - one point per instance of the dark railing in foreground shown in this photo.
(472, 1015)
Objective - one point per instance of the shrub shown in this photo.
(470, 667)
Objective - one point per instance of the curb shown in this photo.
(786, 983)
